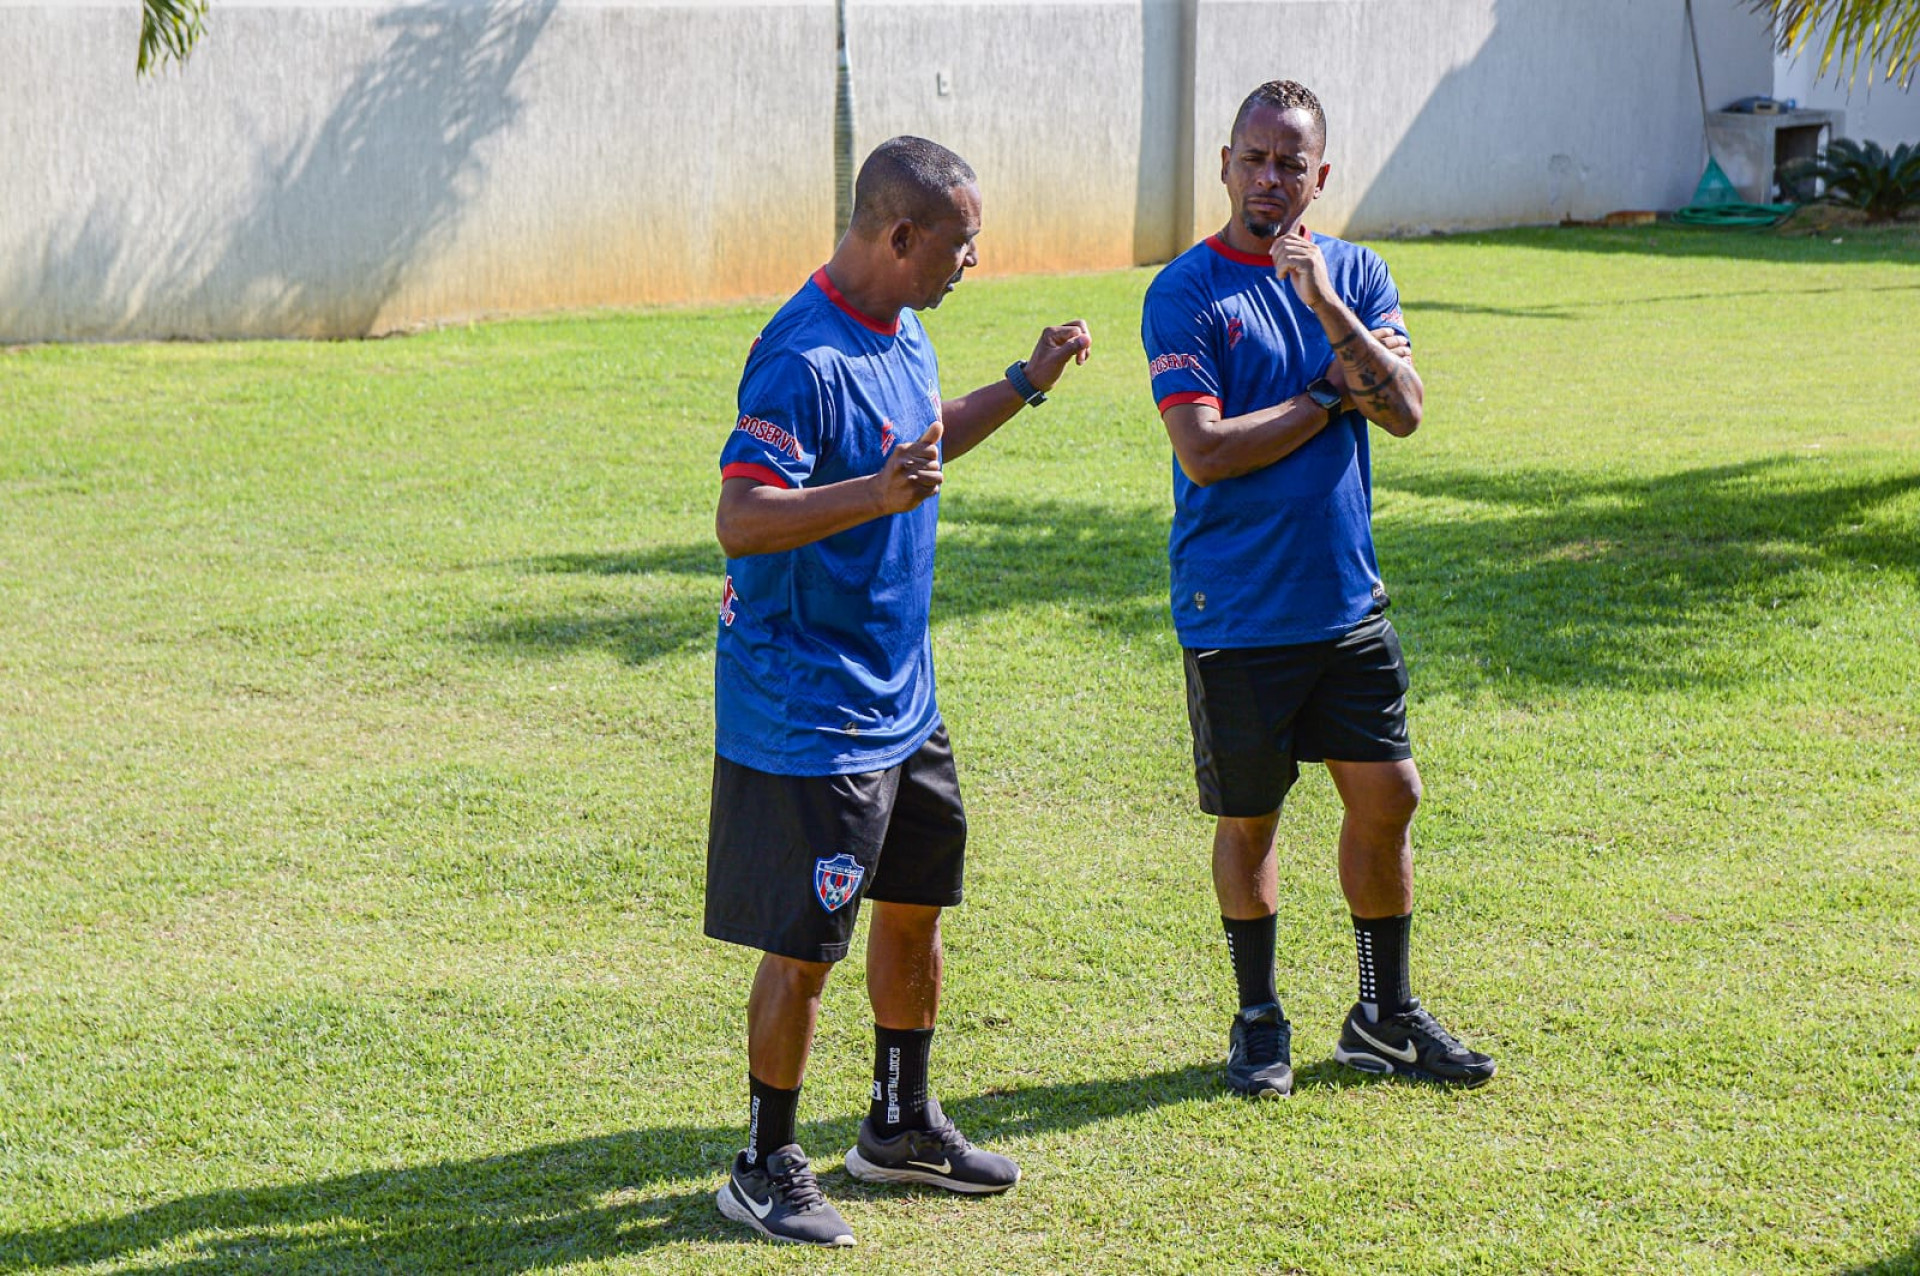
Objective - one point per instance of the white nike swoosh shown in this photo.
(1404, 1055)
(945, 1166)
(1202, 655)
(759, 1211)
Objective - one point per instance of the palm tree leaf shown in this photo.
(1884, 34)
(169, 29)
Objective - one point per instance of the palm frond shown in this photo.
(1884, 35)
(169, 29)
(1862, 175)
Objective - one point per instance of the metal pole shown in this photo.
(1699, 78)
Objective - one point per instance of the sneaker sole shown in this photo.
(867, 1172)
(731, 1208)
(1264, 1090)
(1374, 1065)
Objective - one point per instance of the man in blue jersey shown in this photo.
(833, 779)
(1270, 349)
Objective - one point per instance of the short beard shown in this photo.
(1259, 230)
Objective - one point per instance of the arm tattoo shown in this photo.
(1376, 379)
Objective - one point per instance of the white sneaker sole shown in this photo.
(730, 1207)
(867, 1172)
(1364, 1062)
(1372, 1063)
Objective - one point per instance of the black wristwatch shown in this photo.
(1322, 392)
(1017, 378)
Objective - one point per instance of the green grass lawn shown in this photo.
(355, 729)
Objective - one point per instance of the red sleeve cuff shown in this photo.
(749, 470)
(1174, 400)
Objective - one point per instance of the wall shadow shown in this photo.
(1571, 309)
(995, 555)
(341, 217)
(1873, 245)
(537, 1208)
(1907, 1264)
(1552, 578)
(1569, 581)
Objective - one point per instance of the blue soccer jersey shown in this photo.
(1283, 554)
(823, 664)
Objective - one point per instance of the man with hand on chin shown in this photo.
(1270, 349)
(833, 779)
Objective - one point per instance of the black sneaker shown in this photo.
(940, 1156)
(1260, 1053)
(1410, 1044)
(780, 1199)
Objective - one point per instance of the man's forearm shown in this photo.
(1382, 385)
(970, 418)
(1211, 447)
(759, 518)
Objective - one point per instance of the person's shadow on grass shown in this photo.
(536, 1208)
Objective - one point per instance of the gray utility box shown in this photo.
(1751, 148)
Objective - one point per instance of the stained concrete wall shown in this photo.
(329, 169)
(342, 167)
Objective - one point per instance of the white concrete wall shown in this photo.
(341, 167)
(1877, 112)
(329, 169)
(1452, 114)
(1069, 110)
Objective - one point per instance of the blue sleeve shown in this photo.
(785, 421)
(1177, 328)
(1378, 305)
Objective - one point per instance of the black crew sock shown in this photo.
(1381, 943)
(1250, 945)
(899, 1079)
(769, 1118)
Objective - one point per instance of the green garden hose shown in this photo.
(1733, 213)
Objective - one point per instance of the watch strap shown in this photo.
(1022, 385)
(1323, 393)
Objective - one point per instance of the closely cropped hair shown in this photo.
(906, 177)
(1284, 95)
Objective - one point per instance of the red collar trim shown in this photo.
(839, 299)
(1231, 253)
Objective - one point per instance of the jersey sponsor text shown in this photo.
(768, 432)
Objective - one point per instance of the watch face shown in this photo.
(1324, 395)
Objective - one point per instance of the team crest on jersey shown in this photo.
(1235, 330)
(887, 437)
(726, 602)
(837, 881)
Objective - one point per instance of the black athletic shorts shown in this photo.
(1258, 712)
(789, 857)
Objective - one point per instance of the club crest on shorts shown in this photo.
(837, 880)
